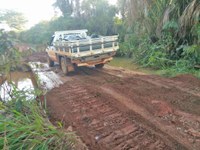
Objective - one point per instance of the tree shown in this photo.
(14, 19)
(122, 7)
(68, 7)
(77, 8)
(95, 15)
(38, 34)
(65, 6)
(9, 56)
(99, 16)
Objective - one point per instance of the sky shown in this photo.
(34, 10)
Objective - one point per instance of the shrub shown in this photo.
(24, 125)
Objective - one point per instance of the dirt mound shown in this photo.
(161, 108)
(188, 79)
(36, 57)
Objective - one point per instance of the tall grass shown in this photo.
(24, 125)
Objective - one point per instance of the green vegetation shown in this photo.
(95, 15)
(23, 122)
(15, 20)
(9, 56)
(162, 34)
(128, 63)
(23, 125)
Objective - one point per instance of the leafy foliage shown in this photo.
(96, 16)
(159, 34)
(9, 55)
(162, 33)
(68, 7)
(23, 125)
(192, 53)
(14, 19)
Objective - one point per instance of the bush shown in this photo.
(192, 53)
(23, 125)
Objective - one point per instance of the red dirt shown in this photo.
(119, 109)
(100, 123)
(36, 57)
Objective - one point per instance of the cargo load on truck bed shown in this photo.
(74, 48)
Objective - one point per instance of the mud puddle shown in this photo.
(40, 77)
(23, 81)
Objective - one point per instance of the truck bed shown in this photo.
(88, 47)
(85, 51)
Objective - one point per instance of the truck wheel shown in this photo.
(99, 66)
(50, 62)
(64, 66)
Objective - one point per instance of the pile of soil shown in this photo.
(36, 57)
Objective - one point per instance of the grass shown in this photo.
(173, 71)
(128, 63)
(24, 125)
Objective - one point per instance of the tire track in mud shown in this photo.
(95, 115)
(182, 97)
(169, 129)
(102, 122)
(160, 81)
(99, 123)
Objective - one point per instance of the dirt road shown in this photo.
(118, 109)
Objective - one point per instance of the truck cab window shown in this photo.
(51, 41)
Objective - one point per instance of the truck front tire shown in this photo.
(50, 62)
(99, 66)
(64, 66)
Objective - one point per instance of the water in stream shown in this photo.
(26, 81)
(21, 80)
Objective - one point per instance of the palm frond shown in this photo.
(189, 18)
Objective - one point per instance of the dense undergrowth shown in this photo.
(163, 35)
(156, 57)
(129, 63)
(24, 123)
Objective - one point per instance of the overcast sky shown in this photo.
(34, 10)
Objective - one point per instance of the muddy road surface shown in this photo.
(117, 109)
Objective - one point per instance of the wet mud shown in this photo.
(119, 109)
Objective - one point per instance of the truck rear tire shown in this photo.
(99, 66)
(63, 64)
(50, 62)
